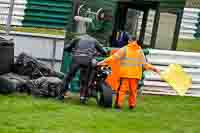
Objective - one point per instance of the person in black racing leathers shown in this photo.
(84, 48)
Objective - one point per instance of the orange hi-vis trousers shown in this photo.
(125, 84)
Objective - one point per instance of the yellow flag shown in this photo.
(179, 80)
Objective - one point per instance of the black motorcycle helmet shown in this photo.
(130, 37)
(133, 38)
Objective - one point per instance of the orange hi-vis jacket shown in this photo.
(131, 59)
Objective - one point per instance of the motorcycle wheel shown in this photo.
(104, 95)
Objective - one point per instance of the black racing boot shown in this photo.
(131, 107)
(60, 98)
(82, 100)
(118, 108)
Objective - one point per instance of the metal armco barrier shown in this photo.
(161, 59)
(50, 48)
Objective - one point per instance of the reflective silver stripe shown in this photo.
(118, 57)
(142, 52)
(124, 52)
(133, 59)
(131, 65)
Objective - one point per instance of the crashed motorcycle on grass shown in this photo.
(97, 86)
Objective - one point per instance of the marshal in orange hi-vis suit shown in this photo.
(132, 60)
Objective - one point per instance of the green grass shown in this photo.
(154, 114)
(189, 45)
(37, 30)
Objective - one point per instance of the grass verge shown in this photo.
(189, 45)
(154, 114)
